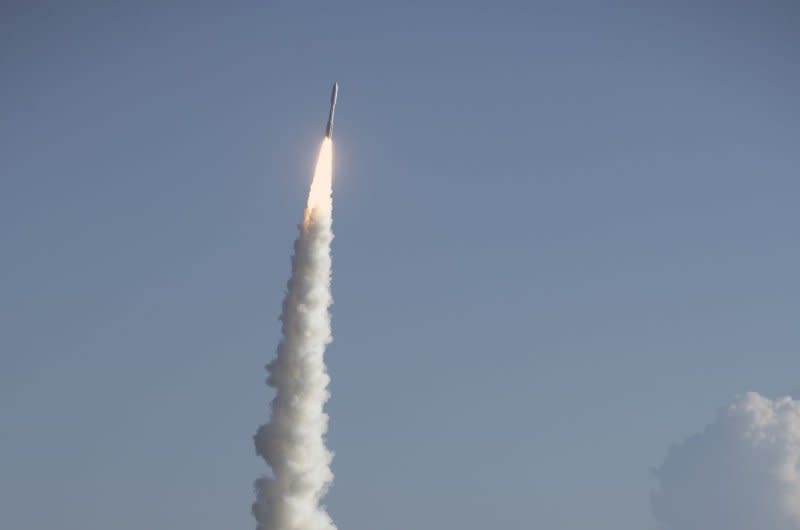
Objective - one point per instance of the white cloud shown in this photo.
(740, 473)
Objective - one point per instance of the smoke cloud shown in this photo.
(740, 473)
(293, 442)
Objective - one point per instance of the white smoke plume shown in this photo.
(293, 442)
(740, 473)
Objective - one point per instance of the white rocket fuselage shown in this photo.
(334, 95)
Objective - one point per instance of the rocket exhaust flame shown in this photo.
(320, 202)
(293, 442)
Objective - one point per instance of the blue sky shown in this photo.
(564, 238)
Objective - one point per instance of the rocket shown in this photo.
(334, 94)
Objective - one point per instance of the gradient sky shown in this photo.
(565, 237)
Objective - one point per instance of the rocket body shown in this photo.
(334, 95)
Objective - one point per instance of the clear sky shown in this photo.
(564, 238)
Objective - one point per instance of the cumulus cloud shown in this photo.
(740, 473)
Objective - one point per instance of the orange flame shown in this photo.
(320, 201)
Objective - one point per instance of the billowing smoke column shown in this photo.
(293, 442)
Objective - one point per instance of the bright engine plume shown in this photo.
(293, 442)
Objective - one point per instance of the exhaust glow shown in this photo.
(320, 201)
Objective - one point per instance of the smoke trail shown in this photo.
(293, 443)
